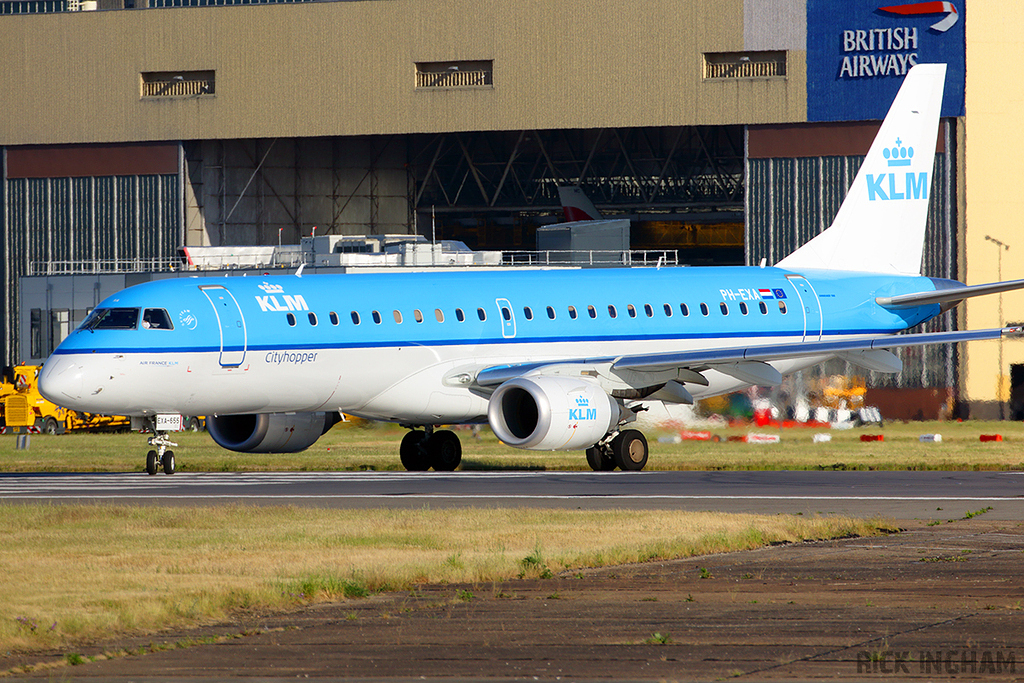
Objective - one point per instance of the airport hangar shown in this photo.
(729, 129)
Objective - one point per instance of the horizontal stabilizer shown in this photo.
(947, 295)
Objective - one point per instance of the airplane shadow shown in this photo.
(479, 466)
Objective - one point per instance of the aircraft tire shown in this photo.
(151, 463)
(445, 450)
(168, 462)
(413, 452)
(599, 459)
(629, 449)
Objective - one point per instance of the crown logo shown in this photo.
(898, 155)
(271, 289)
(582, 401)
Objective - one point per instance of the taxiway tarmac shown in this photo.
(894, 494)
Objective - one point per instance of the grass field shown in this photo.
(75, 573)
(375, 447)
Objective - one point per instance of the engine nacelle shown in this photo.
(269, 432)
(552, 413)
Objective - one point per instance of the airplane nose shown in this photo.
(61, 379)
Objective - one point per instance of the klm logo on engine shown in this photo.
(582, 411)
(270, 302)
(896, 185)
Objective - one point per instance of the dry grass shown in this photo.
(79, 573)
(376, 447)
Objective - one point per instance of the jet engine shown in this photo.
(552, 413)
(269, 432)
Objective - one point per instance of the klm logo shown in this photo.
(896, 185)
(582, 411)
(270, 302)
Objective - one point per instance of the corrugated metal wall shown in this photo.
(64, 224)
(789, 201)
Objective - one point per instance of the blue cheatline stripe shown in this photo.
(490, 341)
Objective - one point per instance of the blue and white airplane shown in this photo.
(560, 359)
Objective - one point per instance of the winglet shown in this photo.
(881, 224)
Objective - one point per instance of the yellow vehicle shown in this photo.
(23, 409)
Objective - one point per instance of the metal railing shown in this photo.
(151, 265)
(535, 259)
(592, 257)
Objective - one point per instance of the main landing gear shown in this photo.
(161, 457)
(627, 450)
(438, 449)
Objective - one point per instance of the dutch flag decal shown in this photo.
(766, 293)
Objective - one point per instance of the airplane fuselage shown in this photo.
(399, 346)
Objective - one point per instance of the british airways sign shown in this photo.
(858, 52)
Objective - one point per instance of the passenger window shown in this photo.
(439, 315)
(782, 307)
(631, 311)
(505, 313)
(376, 317)
(592, 311)
(334, 317)
(725, 308)
(703, 309)
(611, 311)
(668, 311)
(459, 315)
(684, 309)
(312, 318)
(743, 308)
(417, 315)
(355, 318)
(527, 313)
(291, 319)
(481, 313)
(572, 312)
(398, 316)
(156, 319)
(649, 310)
(551, 312)
(764, 308)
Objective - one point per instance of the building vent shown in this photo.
(718, 65)
(157, 84)
(477, 74)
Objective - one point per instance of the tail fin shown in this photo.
(576, 205)
(881, 223)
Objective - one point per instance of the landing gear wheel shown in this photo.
(50, 426)
(168, 462)
(599, 459)
(413, 452)
(151, 463)
(445, 450)
(629, 449)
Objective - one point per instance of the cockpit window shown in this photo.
(156, 319)
(112, 319)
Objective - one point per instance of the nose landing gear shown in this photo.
(161, 457)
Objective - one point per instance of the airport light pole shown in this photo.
(1001, 246)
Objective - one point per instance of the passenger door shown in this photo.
(233, 337)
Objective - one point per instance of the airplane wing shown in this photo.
(750, 363)
(948, 295)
